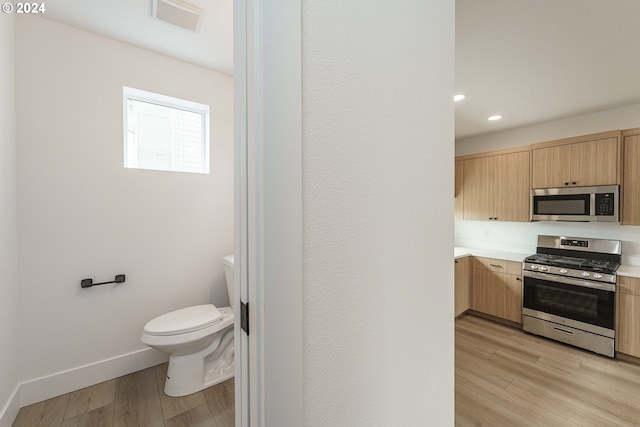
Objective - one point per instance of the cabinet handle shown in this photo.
(495, 266)
(573, 183)
(518, 279)
(455, 261)
(566, 183)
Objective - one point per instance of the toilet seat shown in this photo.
(183, 321)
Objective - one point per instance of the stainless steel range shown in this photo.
(569, 291)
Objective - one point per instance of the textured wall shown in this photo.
(377, 164)
(82, 214)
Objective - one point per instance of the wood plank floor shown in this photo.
(503, 377)
(135, 400)
(506, 377)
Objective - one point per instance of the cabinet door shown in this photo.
(459, 194)
(513, 298)
(551, 167)
(629, 324)
(485, 297)
(497, 294)
(478, 189)
(594, 162)
(512, 187)
(462, 287)
(631, 181)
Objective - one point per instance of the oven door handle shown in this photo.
(569, 281)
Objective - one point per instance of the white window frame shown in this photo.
(170, 102)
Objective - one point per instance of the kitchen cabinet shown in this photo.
(628, 333)
(496, 288)
(458, 195)
(462, 277)
(496, 187)
(631, 178)
(571, 162)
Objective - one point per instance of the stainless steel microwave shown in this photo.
(575, 204)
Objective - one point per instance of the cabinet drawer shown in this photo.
(498, 265)
(629, 285)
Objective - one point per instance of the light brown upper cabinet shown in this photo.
(631, 178)
(496, 187)
(582, 161)
(459, 195)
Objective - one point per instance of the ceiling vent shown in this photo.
(178, 13)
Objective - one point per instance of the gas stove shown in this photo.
(576, 257)
(569, 291)
(587, 268)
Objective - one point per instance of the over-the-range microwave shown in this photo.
(575, 204)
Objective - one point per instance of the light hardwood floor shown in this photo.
(135, 400)
(506, 377)
(503, 377)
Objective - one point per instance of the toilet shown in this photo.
(199, 342)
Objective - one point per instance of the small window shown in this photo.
(165, 133)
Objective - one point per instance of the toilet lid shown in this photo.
(184, 320)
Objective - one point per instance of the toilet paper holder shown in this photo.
(87, 283)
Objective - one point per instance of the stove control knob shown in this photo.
(564, 271)
(585, 274)
(543, 268)
(534, 267)
(597, 276)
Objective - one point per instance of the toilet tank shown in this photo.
(228, 274)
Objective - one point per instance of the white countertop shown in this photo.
(459, 252)
(629, 271)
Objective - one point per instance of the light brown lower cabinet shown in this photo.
(497, 288)
(628, 334)
(462, 277)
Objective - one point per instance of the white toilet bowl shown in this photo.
(199, 342)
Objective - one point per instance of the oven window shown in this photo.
(583, 304)
(568, 301)
(571, 204)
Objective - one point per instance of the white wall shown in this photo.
(523, 236)
(82, 215)
(377, 83)
(8, 226)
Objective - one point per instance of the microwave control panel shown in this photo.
(605, 204)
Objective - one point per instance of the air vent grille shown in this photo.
(179, 13)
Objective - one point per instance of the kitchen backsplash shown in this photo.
(522, 236)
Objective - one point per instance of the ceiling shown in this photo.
(529, 60)
(130, 21)
(538, 60)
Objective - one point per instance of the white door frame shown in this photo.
(241, 342)
(268, 203)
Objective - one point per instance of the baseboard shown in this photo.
(59, 383)
(494, 319)
(628, 358)
(10, 410)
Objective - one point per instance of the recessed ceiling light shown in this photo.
(496, 117)
(459, 97)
